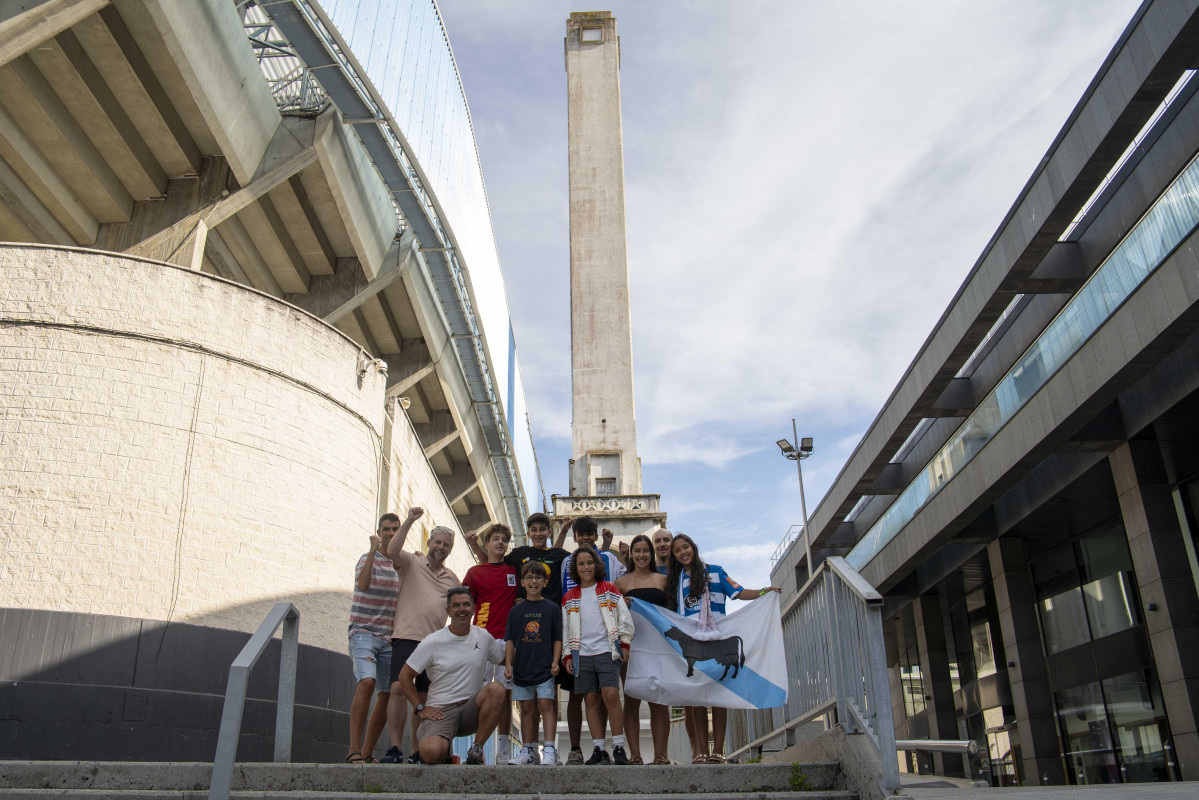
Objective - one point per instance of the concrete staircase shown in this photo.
(92, 780)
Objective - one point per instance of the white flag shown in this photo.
(744, 668)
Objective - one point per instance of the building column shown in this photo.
(1032, 701)
(934, 663)
(1162, 573)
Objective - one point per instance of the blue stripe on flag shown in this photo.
(748, 685)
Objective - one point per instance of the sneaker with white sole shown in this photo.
(575, 757)
(549, 756)
(523, 756)
(475, 754)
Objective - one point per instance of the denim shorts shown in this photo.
(372, 659)
(542, 691)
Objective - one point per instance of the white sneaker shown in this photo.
(523, 756)
(549, 756)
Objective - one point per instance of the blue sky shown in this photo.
(807, 185)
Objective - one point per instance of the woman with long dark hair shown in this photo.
(696, 589)
(644, 582)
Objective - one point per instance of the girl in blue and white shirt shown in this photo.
(694, 588)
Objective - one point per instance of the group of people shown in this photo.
(521, 625)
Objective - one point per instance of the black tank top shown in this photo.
(649, 594)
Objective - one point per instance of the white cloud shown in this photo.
(807, 186)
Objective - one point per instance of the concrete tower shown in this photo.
(605, 469)
(604, 441)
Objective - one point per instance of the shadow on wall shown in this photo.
(95, 687)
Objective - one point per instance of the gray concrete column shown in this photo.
(1162, 573)
(934, 664)
(1036, 723)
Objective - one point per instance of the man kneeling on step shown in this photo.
(454, 658)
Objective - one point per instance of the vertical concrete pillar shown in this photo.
(1036, 723)
(603, 423)
(934, 663)
(1162, 573)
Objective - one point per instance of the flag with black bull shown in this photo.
(744, 667)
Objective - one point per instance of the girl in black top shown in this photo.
(644, 583)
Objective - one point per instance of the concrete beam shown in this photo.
(242, 248)
(43, 202)
(143, 234)
(223, 263)
(408, 367)
(295, 209)
(889, 481)
(275, 245)
(209, 49)
(25, 25)
(35, 106)
(114, 51)
(459, 483)
(957, 400)
(362, 200)
(1062, 271)
(332, 297)
(475, 518)
(364, 327)
(223, 208)
(437, 433)
(76, 80)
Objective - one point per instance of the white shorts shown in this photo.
(495, 672)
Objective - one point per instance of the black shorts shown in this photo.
(565, 679)
(400, 650)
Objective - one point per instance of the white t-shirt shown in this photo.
(593, 634)
(455, 663)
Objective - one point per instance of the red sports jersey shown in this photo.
(494, 586)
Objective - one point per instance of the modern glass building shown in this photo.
(1026, 499)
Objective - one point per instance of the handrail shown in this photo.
(833, 639)
(967, 746)
(288, 616)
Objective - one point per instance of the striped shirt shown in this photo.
(374, 611)
(720, 588)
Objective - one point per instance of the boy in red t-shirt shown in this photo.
(494, 587)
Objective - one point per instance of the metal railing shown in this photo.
(833, 639)
(288, 616)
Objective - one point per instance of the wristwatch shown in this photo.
(420, 707)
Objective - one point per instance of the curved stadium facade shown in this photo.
(250, 299)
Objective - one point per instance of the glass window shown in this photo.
(1090, 757)
(1135, 707)
(984, 653)
(1110, 605)
(1104, 552)
(1063, 621)
(912, 681)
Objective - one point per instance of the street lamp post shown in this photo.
(798, 455)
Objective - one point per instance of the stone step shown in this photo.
(381, 779)
(202, 794)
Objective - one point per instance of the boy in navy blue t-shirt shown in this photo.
(531, 658)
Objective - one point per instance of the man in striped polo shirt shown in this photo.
(372, 618)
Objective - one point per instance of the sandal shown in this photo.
(702, 758)
(636, 760)
(717, 758)
(369, 760)
(355, 758)
(662, 760)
